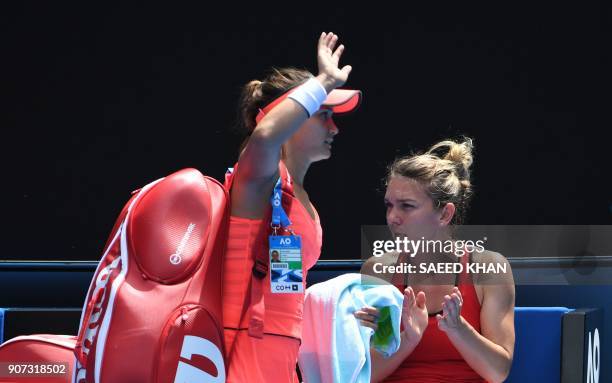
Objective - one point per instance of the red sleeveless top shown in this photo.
(435, 359)
(282, 313)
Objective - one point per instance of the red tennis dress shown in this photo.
(273, 357)
(435, 359)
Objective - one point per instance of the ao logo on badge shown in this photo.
(285, 241)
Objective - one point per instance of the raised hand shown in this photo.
(451, 311)
(414, 315)
(330, 74)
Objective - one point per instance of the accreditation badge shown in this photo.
(286, 264)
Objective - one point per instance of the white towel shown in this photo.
(335, 347)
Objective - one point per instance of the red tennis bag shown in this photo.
(153, 309)
(38, 358)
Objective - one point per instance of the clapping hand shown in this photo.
(451, 311)
(414, 315)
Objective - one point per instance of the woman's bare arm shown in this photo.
(490, 352)
(258, 163)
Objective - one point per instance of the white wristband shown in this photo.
(310, 95)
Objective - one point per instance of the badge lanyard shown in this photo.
(285, 251)
(279, 216)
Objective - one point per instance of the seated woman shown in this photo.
(456, 327)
